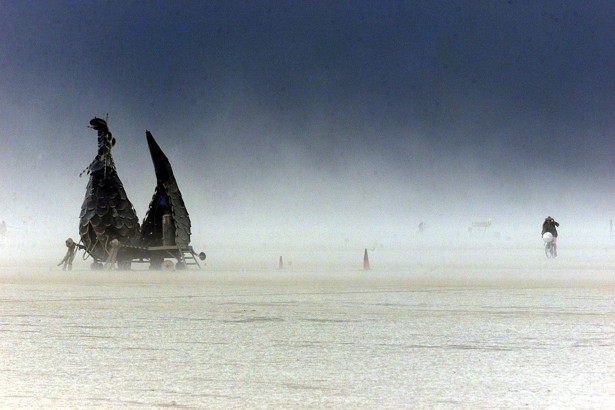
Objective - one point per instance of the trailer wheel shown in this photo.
(155, 263)
(168, 266)
(180, 266)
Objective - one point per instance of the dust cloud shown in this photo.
(319, 210)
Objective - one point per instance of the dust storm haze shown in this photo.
(434, 135)
(311, 127)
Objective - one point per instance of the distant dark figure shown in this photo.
(3, 228)
(421, 227)
(67, 262)
(549, 225)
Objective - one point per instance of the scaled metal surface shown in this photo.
(167, 198)
(106, 212)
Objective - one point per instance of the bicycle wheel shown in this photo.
(554, 250)
(549, 250)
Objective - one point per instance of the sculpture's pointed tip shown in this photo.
(161, 162)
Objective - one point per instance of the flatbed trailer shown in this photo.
(158, 258)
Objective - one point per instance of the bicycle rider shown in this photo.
(549, 225)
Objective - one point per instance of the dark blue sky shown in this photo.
(477, 108)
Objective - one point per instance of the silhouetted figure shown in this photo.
(421, 227)
(549, 225)
(67, 262)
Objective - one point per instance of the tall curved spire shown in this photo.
(167, 200)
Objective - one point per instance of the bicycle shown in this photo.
(550, 246)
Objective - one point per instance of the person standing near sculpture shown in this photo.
(70, 255)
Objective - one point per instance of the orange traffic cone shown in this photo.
(365, 260)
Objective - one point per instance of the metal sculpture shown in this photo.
(167, 221)
(109, 226)
(106, 212)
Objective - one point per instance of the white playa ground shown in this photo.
(466, 327)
